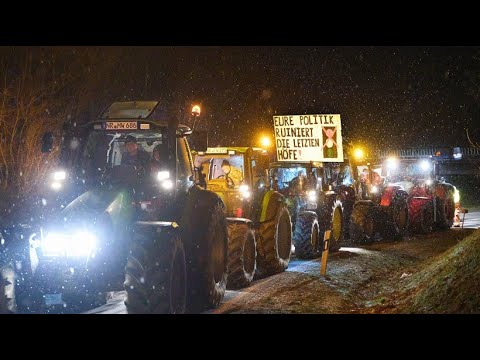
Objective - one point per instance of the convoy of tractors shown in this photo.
(176, 232)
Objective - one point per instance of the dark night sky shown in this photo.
(391, 96)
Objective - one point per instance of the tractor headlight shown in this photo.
(244, 191)
(374, 189)
(164, 178)
(312, 196)
(392, 163)
(58, 177)
(425, 165)
(78, 244)
(167, 184)
(163, 175)
(456, 196)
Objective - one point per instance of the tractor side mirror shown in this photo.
(199, 177)
(47, 142)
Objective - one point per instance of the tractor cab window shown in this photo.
(290, 179)
(317, 178)
(229, 168)
(345, 176)
(221, 170)
(110, 150)
(259, 168)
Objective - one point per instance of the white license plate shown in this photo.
(53, 299)
(121, 125)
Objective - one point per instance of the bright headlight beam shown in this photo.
(163, 175)
(312, 196)
(392, 163)
(374, 189)
(59, 175)
(167, 184)
(79, 244)
(244, 191)
(425, 165)
(56, 185)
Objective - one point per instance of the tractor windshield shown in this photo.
(110, 150)
(230, 168)
(293, 178)
(410, 171)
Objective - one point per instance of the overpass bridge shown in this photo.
(452, 161)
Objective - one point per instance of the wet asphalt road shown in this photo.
(234, 299)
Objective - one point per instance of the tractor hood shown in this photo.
(95, 206)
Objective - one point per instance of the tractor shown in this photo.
(381, 208)
(259, 225)
(431, 201)
(113, 225)
(319, 197)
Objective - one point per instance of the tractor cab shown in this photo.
(127, 147)
(237, 174)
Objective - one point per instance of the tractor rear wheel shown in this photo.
(155, 279)
(446, 211)
(362, 225)
(207, 260)
(306, 236)
(274, 243)
(397, 225)
(421, 216)
(241, 255)
(336, 237)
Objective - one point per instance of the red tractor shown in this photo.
(381, 208)
(431, 202)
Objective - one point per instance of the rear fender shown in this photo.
(270, 203)
(235, 220)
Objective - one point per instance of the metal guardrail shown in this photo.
(466, 152)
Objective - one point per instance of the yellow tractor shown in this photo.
(259, 225)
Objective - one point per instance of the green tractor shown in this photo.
(117, 221)
(319, 197)
(259, 225)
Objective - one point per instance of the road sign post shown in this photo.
(326, 245)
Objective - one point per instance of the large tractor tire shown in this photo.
(207, 258)
(337, 227)
(398, 226)
(445, 211)
(242, 255)
(7, 290)
(274, 243)
(156, 276)
(420, 212)
(347, 214)
(306, 236)
(362, 224)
